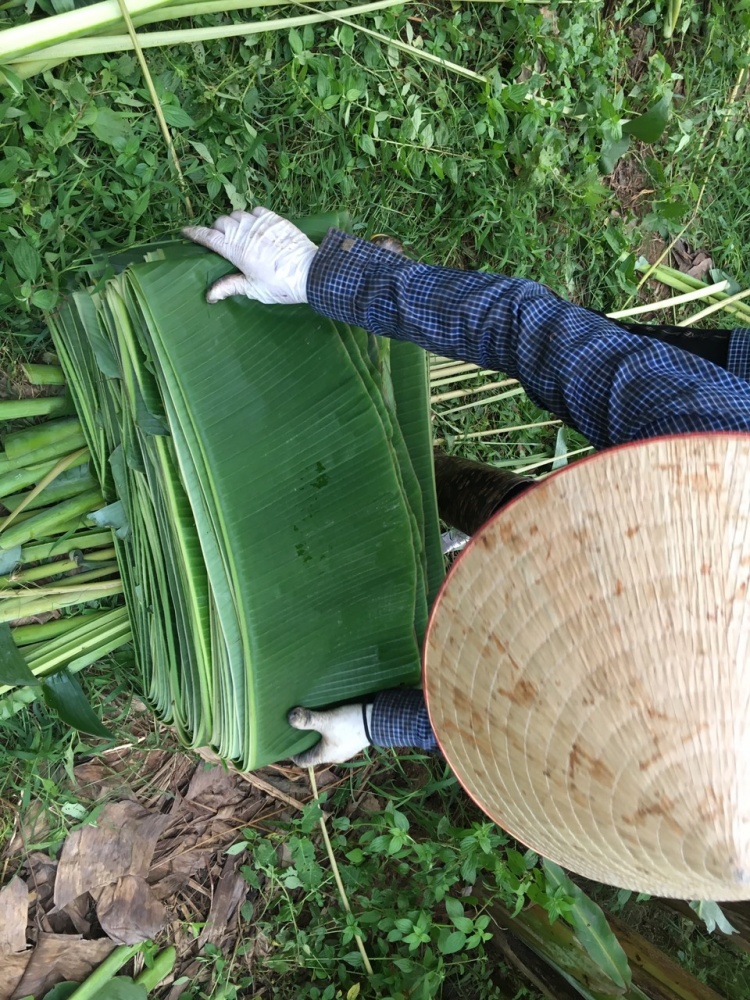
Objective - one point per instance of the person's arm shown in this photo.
(613, 385)
(395, 718)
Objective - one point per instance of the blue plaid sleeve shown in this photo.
(611, 384)
(400, 719)
(739, 353)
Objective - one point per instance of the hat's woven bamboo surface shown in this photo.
(586, 667)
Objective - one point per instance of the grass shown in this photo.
(466, 174)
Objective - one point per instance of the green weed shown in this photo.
(410, 879)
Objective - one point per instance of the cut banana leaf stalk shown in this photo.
(53, 566)
(280, 541)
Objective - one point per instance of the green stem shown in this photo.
(51, 494)
(26, 38)
(44, 374)
(100, 556)
(45, 522)
(419, 54)
(155, 39)
(162, 966)
(31, 439)
(88, 539)
(106, 971)
(68, 489)
(93, 574)
(57, 652)
(25, 635)
(42, 406)
(12, 608)
(166, 134)
(18, 479)
(684, 283)
(178, 10)
(34, 573)
(54, 450)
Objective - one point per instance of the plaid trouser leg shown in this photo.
(711, 345)
(469, 493)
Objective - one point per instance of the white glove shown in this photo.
(342, 730)
(272, 254)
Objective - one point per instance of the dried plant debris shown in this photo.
(150, 863)
(59, 958)
(121, 843)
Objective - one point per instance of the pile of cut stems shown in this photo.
(59, 580)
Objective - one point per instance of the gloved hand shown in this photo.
(344, 733)
(272, 254)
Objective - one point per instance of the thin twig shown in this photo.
(482, 402)
(336, 875)
(441, 397)
(157, 106)
(436, 383)
(471, 435)
(269, 789)
(675, 300)
(715, 307)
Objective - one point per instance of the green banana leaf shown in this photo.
(275, 471)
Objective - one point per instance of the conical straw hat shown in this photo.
(586, 667)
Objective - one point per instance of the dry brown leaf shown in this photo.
(184, 850)
(72, 919)
(129, 912)
(701, 267)
(369, 803)
(204, 821)
(170, 885)
(14, 916)
(122, 843)
(133, 772)
(214, 788)
(12, 967)
(58, 958)
(230, 892)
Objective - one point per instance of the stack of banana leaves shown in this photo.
(266, 477)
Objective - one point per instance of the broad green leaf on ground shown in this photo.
(62, 991)
(612, 151)
(120, 988)
(592, 929)
(176, 117)
(712, 916)
(26, 259)
(112, 127)
(649, 126)
(13, 668)
(64, 694)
